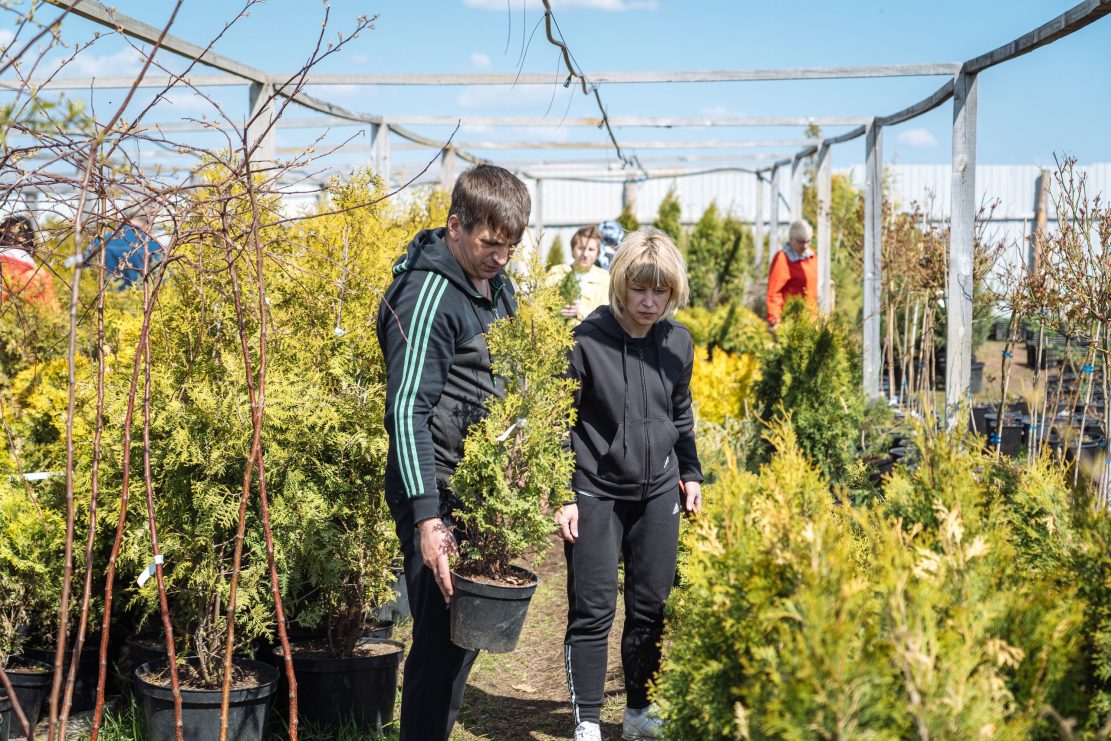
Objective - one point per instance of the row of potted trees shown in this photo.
(252, 323)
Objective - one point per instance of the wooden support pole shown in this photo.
(447, 170)
(758, 229)
(538, 211)
(261, 131)
(796, 188)
(958, 345)
(773, 230)
(1041, 199)
(873, 257)
(382, 153)
(825, 232)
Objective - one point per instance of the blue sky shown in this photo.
(1053, 100)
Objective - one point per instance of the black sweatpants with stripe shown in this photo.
(646, 535)
(436, 669)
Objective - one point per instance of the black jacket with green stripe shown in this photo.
(431, 329)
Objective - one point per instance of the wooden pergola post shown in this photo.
(958, 345)
(447, 169)
(382, 152)
(773, 230)
(824, 235)
(758, 228)
(538, 212)
(873, 257)
(796, 187)
(261, 130)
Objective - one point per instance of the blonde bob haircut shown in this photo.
(648, 257)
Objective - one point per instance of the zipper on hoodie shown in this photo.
(647, 449)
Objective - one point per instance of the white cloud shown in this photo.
(6, 37)
(360, 59)
(609, 5)
(122, 63)
(480, 60)
(917, 138)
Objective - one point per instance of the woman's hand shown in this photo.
(692, 497)
(568, 520)
(571, 310)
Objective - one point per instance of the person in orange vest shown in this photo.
(20, 276)
(793, 272)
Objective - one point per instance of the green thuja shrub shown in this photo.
(811, 375)
(514, 464)
(555, 253)
(950, 608)
(669, 215)
(31, 542)
(730, 327)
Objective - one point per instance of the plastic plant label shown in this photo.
(149, 571)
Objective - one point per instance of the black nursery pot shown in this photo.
(31, 682)
(138, 650)
(359, 689)
(489, 617)
(200, 709)
(88, 667)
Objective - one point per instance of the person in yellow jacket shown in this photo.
(588, 285)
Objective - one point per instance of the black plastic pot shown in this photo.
(84, 688)
(397, 609)
(489, 617)
(200, 709)
(1012, 441)
(5, 716)
(359, 689)
(977, 423)
(138, 650)
(31, 685)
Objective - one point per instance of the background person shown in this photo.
(448, 288)
(793, 272)
(125, 248)
(20, 276)
(592, 282)
(612, 233)
(636, 469)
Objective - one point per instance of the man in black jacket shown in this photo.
(447, 289)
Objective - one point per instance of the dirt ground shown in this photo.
(523, 695)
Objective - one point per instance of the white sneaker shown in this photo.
(587, 731)
(641, 724)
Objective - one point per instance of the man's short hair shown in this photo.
(491, 196)
(586, 234)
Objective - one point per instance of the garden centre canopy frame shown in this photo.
(961, 86)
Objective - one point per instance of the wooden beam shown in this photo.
(925, 105)
(707, 144)
(958, 346)
(873, 258)
(260, 131)
(1068, 22)
(825, 241)
(321, 122)
(237, 72)
(797, 173)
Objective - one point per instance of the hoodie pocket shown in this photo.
(639, 451)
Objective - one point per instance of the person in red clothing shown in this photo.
(20, 276)
(794, 272)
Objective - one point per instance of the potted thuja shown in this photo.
(514, 466)
(347, 672)
(29, 534)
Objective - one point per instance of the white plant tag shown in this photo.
(148, 572)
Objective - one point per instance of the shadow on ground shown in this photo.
(504, 718)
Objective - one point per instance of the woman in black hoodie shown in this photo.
(636, 470)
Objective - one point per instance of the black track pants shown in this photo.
(646, 534)
(436, 669)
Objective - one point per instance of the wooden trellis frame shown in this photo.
(962, 87)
